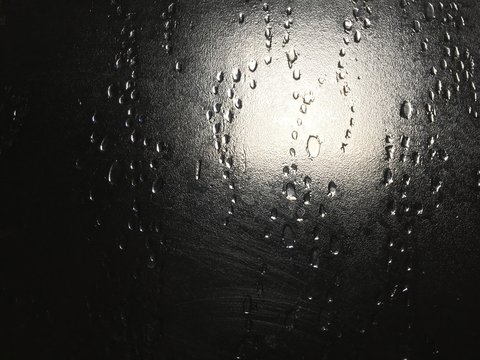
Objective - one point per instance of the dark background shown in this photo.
(96, 265)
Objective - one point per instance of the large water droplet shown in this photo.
(236, 74)
(429, 12)
(291, 192)
(313, 146)
(406, 110)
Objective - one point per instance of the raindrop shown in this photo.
(104, 144)
(308, 182)
(292, 56)
(332, 189)
(388, 177)
(291, 192)
(322, 211)
(111, 91)
(357, 36)
(315, 258)
(157, 185)
(114, 173)
(313, 146)
(429, 12)
(406, 110)
(252, 65)
(307, 198)
(416, 26)
(405, 141)
(178, 66)
(236, 74)
(198, 166)
(296, 74)
(288, 236)
(347, 25)
(273, 214)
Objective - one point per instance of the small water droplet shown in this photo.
(357, 36)
(347, 25)
(406, 110)
(296, 74)
(252, 65)
(388, 177)
(198, 166)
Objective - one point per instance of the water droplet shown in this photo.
(111, 91)
(307, 198)
(105, 143)
(157, 185)
(357, 36)
(178, 66)
(236, 75)
(308, 182)
(274, 214)
(347, 25)
(405, 142)
(388, 177)
(114, 173)
(315, 258)
(406, 110)
(313, 146)
(252, 65)
(322, 211)
(416, 26)
(292, 56)
(332, 189)
(291, 192)
(429, 12)
(198, 166)
(288, 236)
(296, 74)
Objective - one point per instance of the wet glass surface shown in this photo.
(240, 179)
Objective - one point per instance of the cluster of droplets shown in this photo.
(298, 196)
(222, 113)
(137, 174)
(449, 73)
(221, 116)
(353, 29)
(169, 25)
